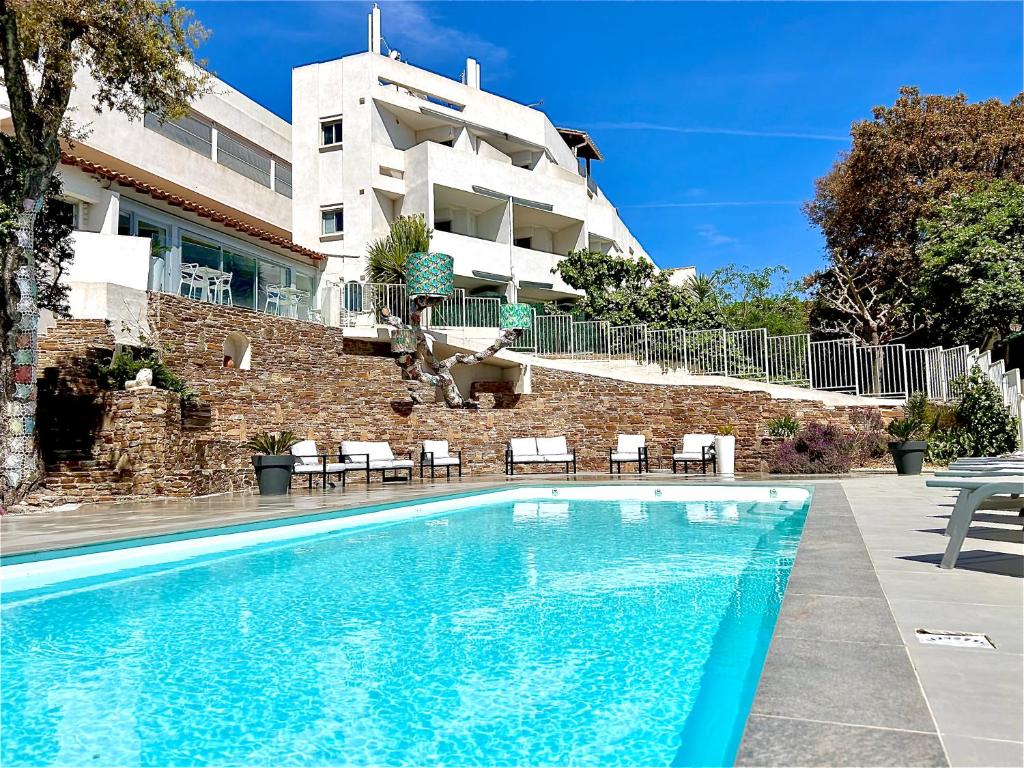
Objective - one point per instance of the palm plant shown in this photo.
(272, 443)
(702, 288)
(386, 257)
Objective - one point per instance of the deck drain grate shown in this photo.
(955, 639)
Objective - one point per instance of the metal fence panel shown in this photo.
(590, 340)
(667, 349)
(955, 364)
(746, 354)
(553, 335)
(789, 360)
(628, 342)
(882, 370)
(917, 370)
(833, 365)
(705, 352)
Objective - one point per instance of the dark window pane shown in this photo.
(124, 223)
(243, 278)
(443, 226)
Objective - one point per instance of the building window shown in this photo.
(64, 212)
(331, 133)
(190, 131)
(244, 158)
(283, 179)
(523, 242)
(333, 221)
(443, 226)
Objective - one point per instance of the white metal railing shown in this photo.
(833, 365)
(789, 360)
(840, 365)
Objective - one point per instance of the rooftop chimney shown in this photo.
(473, 73)
(373, 29)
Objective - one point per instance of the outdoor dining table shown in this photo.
(290, 300)
(210, 275)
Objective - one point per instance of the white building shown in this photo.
(268, 206)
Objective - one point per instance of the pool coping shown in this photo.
(838, 687)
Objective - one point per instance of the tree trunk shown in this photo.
(22, 465)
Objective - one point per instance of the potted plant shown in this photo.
(273, 462)
(725, 450)
(907, 451)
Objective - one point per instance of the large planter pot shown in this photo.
(908, 456)
(273, 474)
(725, 454)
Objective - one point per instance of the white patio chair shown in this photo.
(220, 288)
(191, 279)
(696, 448)
(973, 491)
(435, 453)
(273, 297)
(310, 462)
(539, 450)
(374, 457)
(629, 449)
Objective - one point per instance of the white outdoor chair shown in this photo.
(696, 448)
(374, 457)
(629, 449)
(539, 450)
(435, 453)
(191, 280)
(973, 491)
(273, 297)
(220, 288)
(310, 462)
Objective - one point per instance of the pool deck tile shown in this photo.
(780, 741)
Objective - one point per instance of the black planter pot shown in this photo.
(908, 456)
(273, 474)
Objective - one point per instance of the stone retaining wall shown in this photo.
(309, 379)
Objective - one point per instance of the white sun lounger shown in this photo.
(973, 490)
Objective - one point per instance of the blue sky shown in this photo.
(714, 118)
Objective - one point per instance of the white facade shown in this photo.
(503, 191)
(241, 192)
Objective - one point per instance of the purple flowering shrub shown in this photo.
(822, 448)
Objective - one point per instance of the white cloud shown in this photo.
(407, 26)
(713, 237)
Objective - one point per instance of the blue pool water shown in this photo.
(550, 633)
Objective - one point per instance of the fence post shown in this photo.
(764, 346)
(807, 354)
(856, 366)
(725, 353)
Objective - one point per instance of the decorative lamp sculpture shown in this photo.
(430, 275)
(517, 316)
(429, 280)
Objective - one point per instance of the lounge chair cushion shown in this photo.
(437, 447)
(625, 456)
(306, 453)
(693, 443)
(523, 446)
(444, 461)
(552, 446)
(377, 451)
(306, 469)
(688, 456)
(630, 444)
(559, 457)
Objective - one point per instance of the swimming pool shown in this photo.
(583, 625)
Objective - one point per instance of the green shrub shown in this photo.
(783, 426)
(977, 424)
(125, 366)
(909, 428)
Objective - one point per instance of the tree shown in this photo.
(868, 206)
(385, 261)
(631, 291)
(140, 54)
(972, 264)
(761, 299)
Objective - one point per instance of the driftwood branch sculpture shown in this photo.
(423, 366)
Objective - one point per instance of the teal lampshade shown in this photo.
(430, 274)
(403, 341)
(516, 316)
